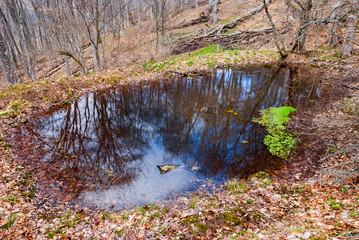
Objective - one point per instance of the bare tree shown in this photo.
(26, 36)
(6, 62)
(347, 47)
(352, 21)
(215, 10)
(302, 11)
(161, 11)
(333, 35)
(276, 36)
(139, 13)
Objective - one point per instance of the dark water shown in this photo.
(104, 149)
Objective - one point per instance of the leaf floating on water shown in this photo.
(231, 111)
(194, 168)
(245, 141)
(208, 110)
(166, 168)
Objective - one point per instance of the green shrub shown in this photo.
(279, 141)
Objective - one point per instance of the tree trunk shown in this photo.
(27, 43)
(96, 39)
(96, 57)
(301, 10)
(5, 62)
(127, 16)
(139, 13)
(347, 47)
(275, 33)
(215, 9)
(68, 71)
(151, 12)
(333, 36)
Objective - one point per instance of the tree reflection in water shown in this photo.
(108, 143)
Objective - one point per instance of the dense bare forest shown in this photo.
(35, 32)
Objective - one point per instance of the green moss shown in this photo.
(202, 227)
(243, 186)
(265, 183)
(4, 113)
(156, 214)
(330, 58)
(237, 210)
(11, 199)
(257, 217)
(228, 19)
(10, 221)
(51, 233)
(15, 105)
(105, 215)
(335, 204)
(195, 220)
(27, 175)
(230, 218)
(124, 216)
(142, 210)
(259, 175)
(214, 48)
(119, 232)
(191, 219)
(46, 217)
(232, 185)
(32, 192)
(193, 203)
(190, 63)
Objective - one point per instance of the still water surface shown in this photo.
(103, 149)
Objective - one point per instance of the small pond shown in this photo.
(104, 149)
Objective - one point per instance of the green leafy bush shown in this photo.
(279, 141)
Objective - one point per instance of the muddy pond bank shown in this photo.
(103, 149)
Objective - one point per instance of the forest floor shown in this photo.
(263, 206)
